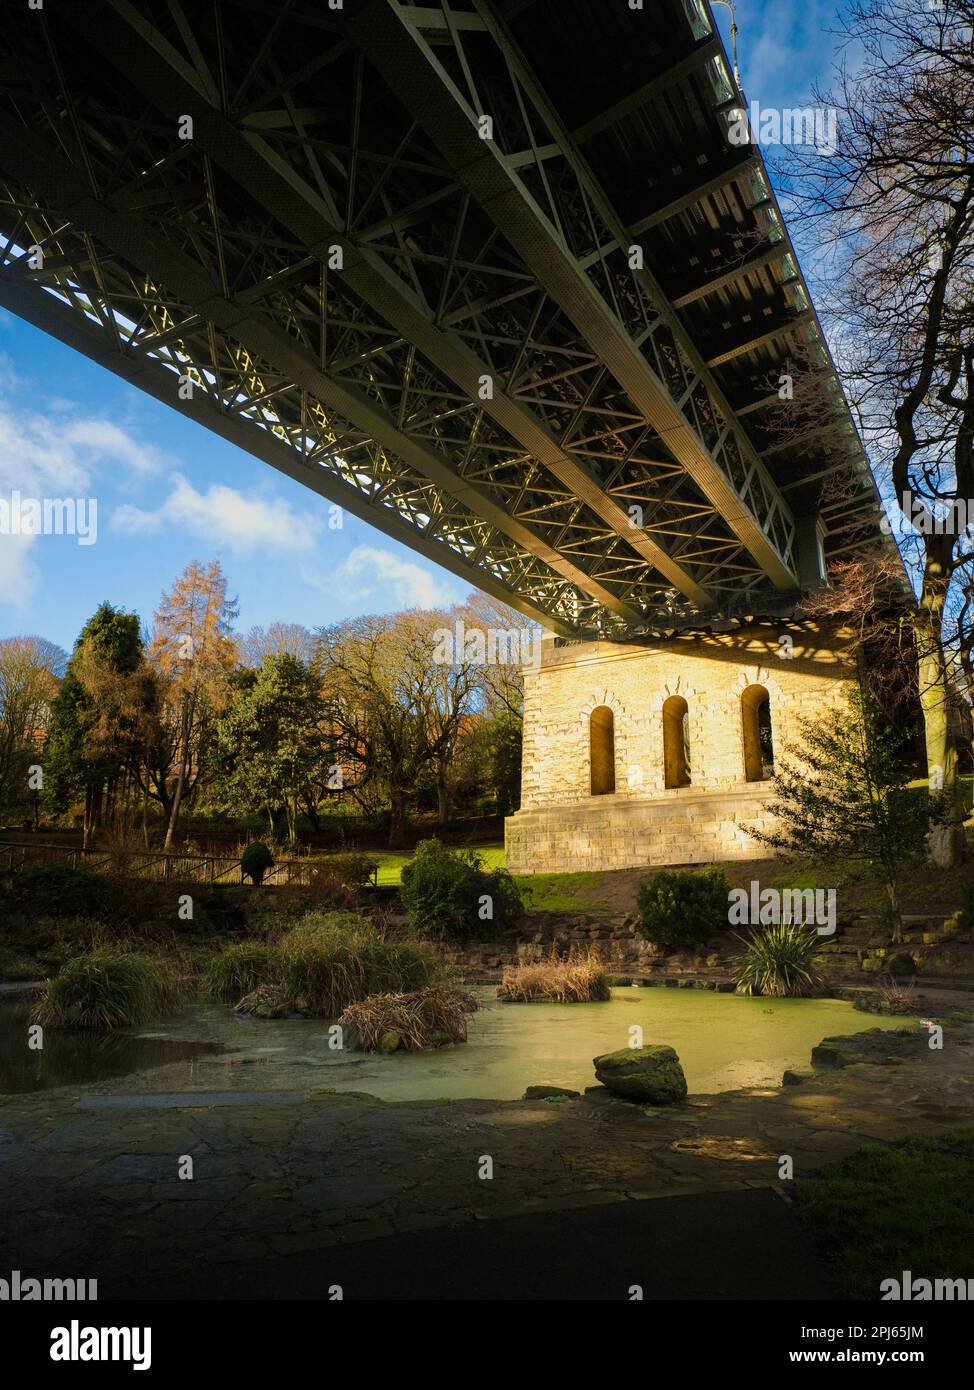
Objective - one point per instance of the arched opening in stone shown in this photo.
(758, 739)
(676, 742)
(602, 751)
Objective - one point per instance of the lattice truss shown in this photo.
(441, 333)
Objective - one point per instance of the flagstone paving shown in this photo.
(90, 1185)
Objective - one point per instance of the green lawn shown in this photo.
(541, 892)
(885, 1210)
(392, 860)
(559, 892)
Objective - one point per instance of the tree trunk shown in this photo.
(87, 833)
(181, 777)
(442, 800)
(397, 818)
(946, 841)
(894, 908)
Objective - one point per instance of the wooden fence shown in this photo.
(170, 866)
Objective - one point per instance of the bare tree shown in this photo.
(892, 215)
(276, 639)
(394, 701)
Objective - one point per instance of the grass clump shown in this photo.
(581, 979)
(883, 1210)
(239, 969)
(324, 967)
(105, 989)
(431, 1017)
(779, 961)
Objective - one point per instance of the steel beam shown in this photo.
(142, 54)
(411, 69)
(40, 308)
(37, 165)
(706, 50)
(751, 263)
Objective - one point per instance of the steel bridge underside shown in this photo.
(491, 276)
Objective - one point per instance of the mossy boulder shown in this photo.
(549, 1093)
(266, 1001)
(649, 1074)
(836, 1052)
(885, 1047)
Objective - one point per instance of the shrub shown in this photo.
(236, 971)
(430, 1017)
(255, 861)
(350, 869)
(61, 890)
(334, 881)
(581, 979)
(324, 967)
(778, 960)
(443, 891)
(683, 910)
(105, 989)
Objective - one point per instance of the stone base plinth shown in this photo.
(621, 832)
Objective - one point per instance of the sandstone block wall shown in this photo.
(561, 826)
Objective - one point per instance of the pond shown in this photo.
(724, 1042)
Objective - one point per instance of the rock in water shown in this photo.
(650, 1074)
(266, 1001)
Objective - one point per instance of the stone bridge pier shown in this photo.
(662, 751)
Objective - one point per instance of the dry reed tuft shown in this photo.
(579, 979)
(429, 1017)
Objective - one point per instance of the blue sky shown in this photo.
(784, 46)
(169, 491)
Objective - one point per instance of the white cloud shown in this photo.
(369, 572)
(48, 454)
(110, 443)
(223, 516)
(18, 575)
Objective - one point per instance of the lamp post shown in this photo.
(729, 5)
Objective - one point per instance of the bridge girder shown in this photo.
(313, 218)
(696, 422)
(604, 483)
